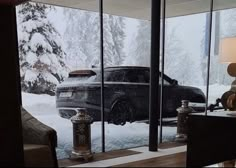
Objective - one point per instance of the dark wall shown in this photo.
(11, 147)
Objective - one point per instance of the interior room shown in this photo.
(106, 83)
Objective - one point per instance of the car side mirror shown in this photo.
(174, 82)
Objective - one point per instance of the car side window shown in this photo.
(135, 76)
(146, 76)
(165, 81)
(115, 76)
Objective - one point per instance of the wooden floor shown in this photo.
(167, 145)
(174, 160)
(97, 157)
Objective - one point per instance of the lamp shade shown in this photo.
(228, 50)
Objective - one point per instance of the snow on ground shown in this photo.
(117, 137)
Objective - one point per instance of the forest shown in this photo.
(54, 41)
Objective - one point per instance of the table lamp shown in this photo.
(228, 55)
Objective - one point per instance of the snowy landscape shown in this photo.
(117, 137)
(54, 41)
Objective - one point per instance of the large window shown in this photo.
(220, 80)
(54, 44)
(60, 66)
(126, 53)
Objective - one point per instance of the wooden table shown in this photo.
(211, 138)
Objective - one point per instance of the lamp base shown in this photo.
(232, 69)
(86, 156)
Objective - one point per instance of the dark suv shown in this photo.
(126, 94)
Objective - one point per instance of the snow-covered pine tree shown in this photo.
(113, 40)
(179, 64)
(108, 43)
(139, 53)
(40, 50)
(117, 25)
(83, 39)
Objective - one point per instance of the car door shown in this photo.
(114, 88)
(170, 99)
(138, 91)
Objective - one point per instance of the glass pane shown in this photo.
(184, 63)
(221, 87)
(126, 75)
(56, 44)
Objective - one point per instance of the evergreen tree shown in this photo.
(114, 40)
(83, 39)
(40, 50)
(179, 64)
(139, 53)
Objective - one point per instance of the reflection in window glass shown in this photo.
(220, 81)
(184, 63)
(183, 59)
(134, 89)
(126, 97)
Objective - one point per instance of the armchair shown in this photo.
(40, 142)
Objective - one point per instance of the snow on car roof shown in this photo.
(126, 67)
(96, 70)
(82, 72)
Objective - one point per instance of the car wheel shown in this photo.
(121, 112)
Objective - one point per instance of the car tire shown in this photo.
(122, 111)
